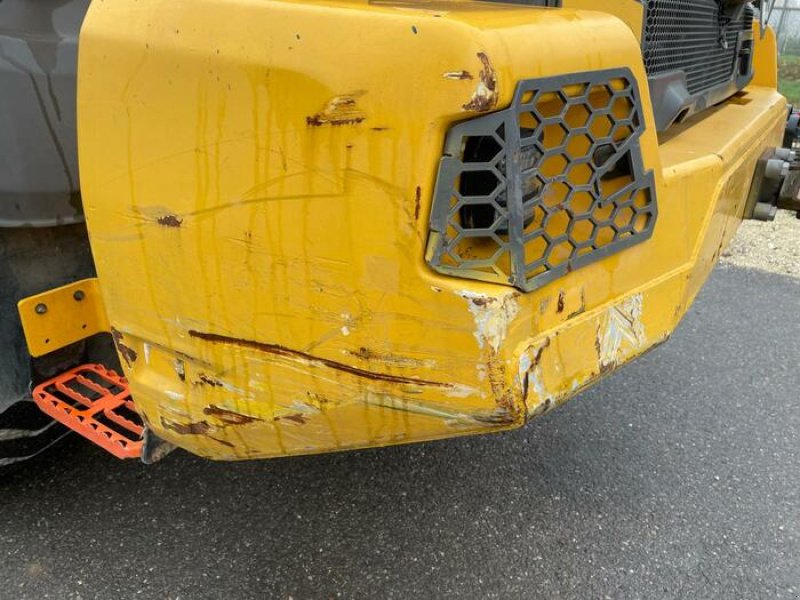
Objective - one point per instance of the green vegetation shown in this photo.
(789, 77)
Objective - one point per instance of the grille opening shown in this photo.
(604, 158)
(477, 216)
(481, 148)
(477, 183)
(573, 183)
(617, 177)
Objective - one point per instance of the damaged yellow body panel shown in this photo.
(257, 180)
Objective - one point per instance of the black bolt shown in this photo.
(78, 295)
(41, 308)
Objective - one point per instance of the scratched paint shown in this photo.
(302, 199)
(620, 336)
(340, 110)
(484, 98)
(621, 333)
(492, 317)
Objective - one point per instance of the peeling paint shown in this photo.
(529, 376)
(484, 98)
(340, 110)
(170, 221)
(492, 317)
(127, 353)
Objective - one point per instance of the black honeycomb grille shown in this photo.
(693, 36)
(553, 183)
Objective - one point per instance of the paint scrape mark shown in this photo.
(297, 418)
(492, 317)
(530, 378)
(620, 337)
(314, 361)
(458, 75)
(621, 333)
(204, 379)
(393, 360)
(180, 369)
(484, 98)
(340, 110)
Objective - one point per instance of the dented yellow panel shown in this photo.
(257, 179)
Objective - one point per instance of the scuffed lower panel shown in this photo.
(245, 399)
(555, 366)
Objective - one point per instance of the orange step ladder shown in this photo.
(95, 402)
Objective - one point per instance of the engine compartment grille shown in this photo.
(555, 182)
(693, 36)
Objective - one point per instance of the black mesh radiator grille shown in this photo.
(693, 36)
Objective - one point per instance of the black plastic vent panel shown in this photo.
(551, 184)
(693, 36)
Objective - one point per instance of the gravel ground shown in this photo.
(773, 247)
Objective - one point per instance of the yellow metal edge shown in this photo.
(62, 316)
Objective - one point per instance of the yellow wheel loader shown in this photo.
(263, 228)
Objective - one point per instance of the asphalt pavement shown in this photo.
(677, 477)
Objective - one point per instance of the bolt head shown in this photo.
(41, 308)
(79, 295)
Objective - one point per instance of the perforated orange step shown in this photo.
(96, 403)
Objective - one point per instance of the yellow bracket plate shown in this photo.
(62, 316)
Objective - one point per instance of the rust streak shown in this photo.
(126, 352)
(417, 202)
(204, 379)
(496, 372)
(482, 300)
(283, 351)
(228, 416)
(170, 221)
(197, 428)
(298, 418)
(562, 299)
(484, 98)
